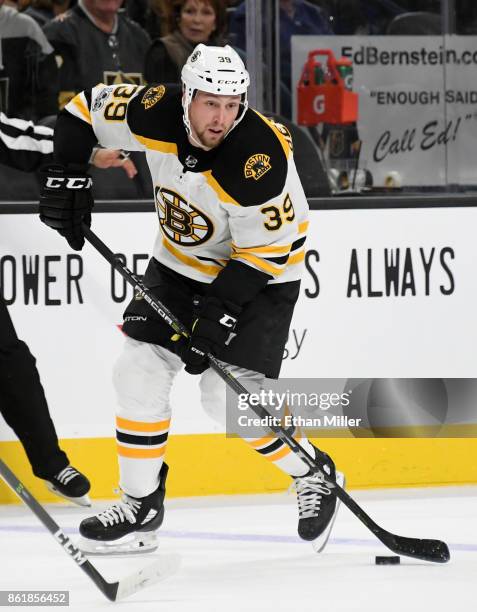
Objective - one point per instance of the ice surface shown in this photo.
(241, 554)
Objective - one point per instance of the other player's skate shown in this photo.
(129, 526)
(71, 485)
(317, 505)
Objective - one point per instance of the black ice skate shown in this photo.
(128, 526)
(71, 485)
(317, 505)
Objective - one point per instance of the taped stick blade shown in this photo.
(165, 566)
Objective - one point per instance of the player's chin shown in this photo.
(214, 138)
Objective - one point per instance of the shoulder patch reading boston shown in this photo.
(152, 96)
(257, 165)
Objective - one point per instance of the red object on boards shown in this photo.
(324, 90)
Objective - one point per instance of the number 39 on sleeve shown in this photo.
(276, 216)
(116, 109)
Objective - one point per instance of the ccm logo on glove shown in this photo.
(228, 321)
(66, 202)
(77, 182)
(211, 331)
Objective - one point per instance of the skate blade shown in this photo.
(321, 541)
(84, 500)
(133, 543)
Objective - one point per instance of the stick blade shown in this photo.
(426, 550)
(165, 566)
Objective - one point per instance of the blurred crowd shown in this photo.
(51, 49)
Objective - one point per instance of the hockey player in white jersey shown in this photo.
(228, 258)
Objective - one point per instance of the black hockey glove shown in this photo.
(66, 202)
(210, 331)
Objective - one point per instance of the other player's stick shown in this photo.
(427, 550)
(114, 591)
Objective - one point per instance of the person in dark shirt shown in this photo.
(95, 43)
(28, 71)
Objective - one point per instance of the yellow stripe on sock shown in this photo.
(261, 441)
(141, 453)
(283, 452)
(141, 426)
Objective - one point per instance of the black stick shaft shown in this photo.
(315, 464)
(63, 540)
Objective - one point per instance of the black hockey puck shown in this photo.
(388, 560)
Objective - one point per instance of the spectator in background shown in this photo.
(148, 14)
(43, 11)
(186, 23)
(96, 43)
(28, 71)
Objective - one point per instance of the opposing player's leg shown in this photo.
(143, 377)
(70, 484)
(317, 506)
(25, 409)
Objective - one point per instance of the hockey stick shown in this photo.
(113, 590)
(427, 550)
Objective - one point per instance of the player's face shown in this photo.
(197, 21)
(211, 117)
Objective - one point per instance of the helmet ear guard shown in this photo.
(216, 70)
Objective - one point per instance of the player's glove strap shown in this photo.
(66, 202)
(210, 331)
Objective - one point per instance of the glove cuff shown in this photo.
(223, 312)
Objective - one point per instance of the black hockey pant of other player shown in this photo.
(23, 404)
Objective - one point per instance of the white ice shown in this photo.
(241, 554)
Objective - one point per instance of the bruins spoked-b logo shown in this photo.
(180, 221)
(257, 165)
(152, 96)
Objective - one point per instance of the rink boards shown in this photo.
(385, 294)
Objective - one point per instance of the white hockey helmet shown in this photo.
(217, 70)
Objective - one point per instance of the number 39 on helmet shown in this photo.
(216, 70)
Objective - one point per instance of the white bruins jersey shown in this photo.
(242, 200)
